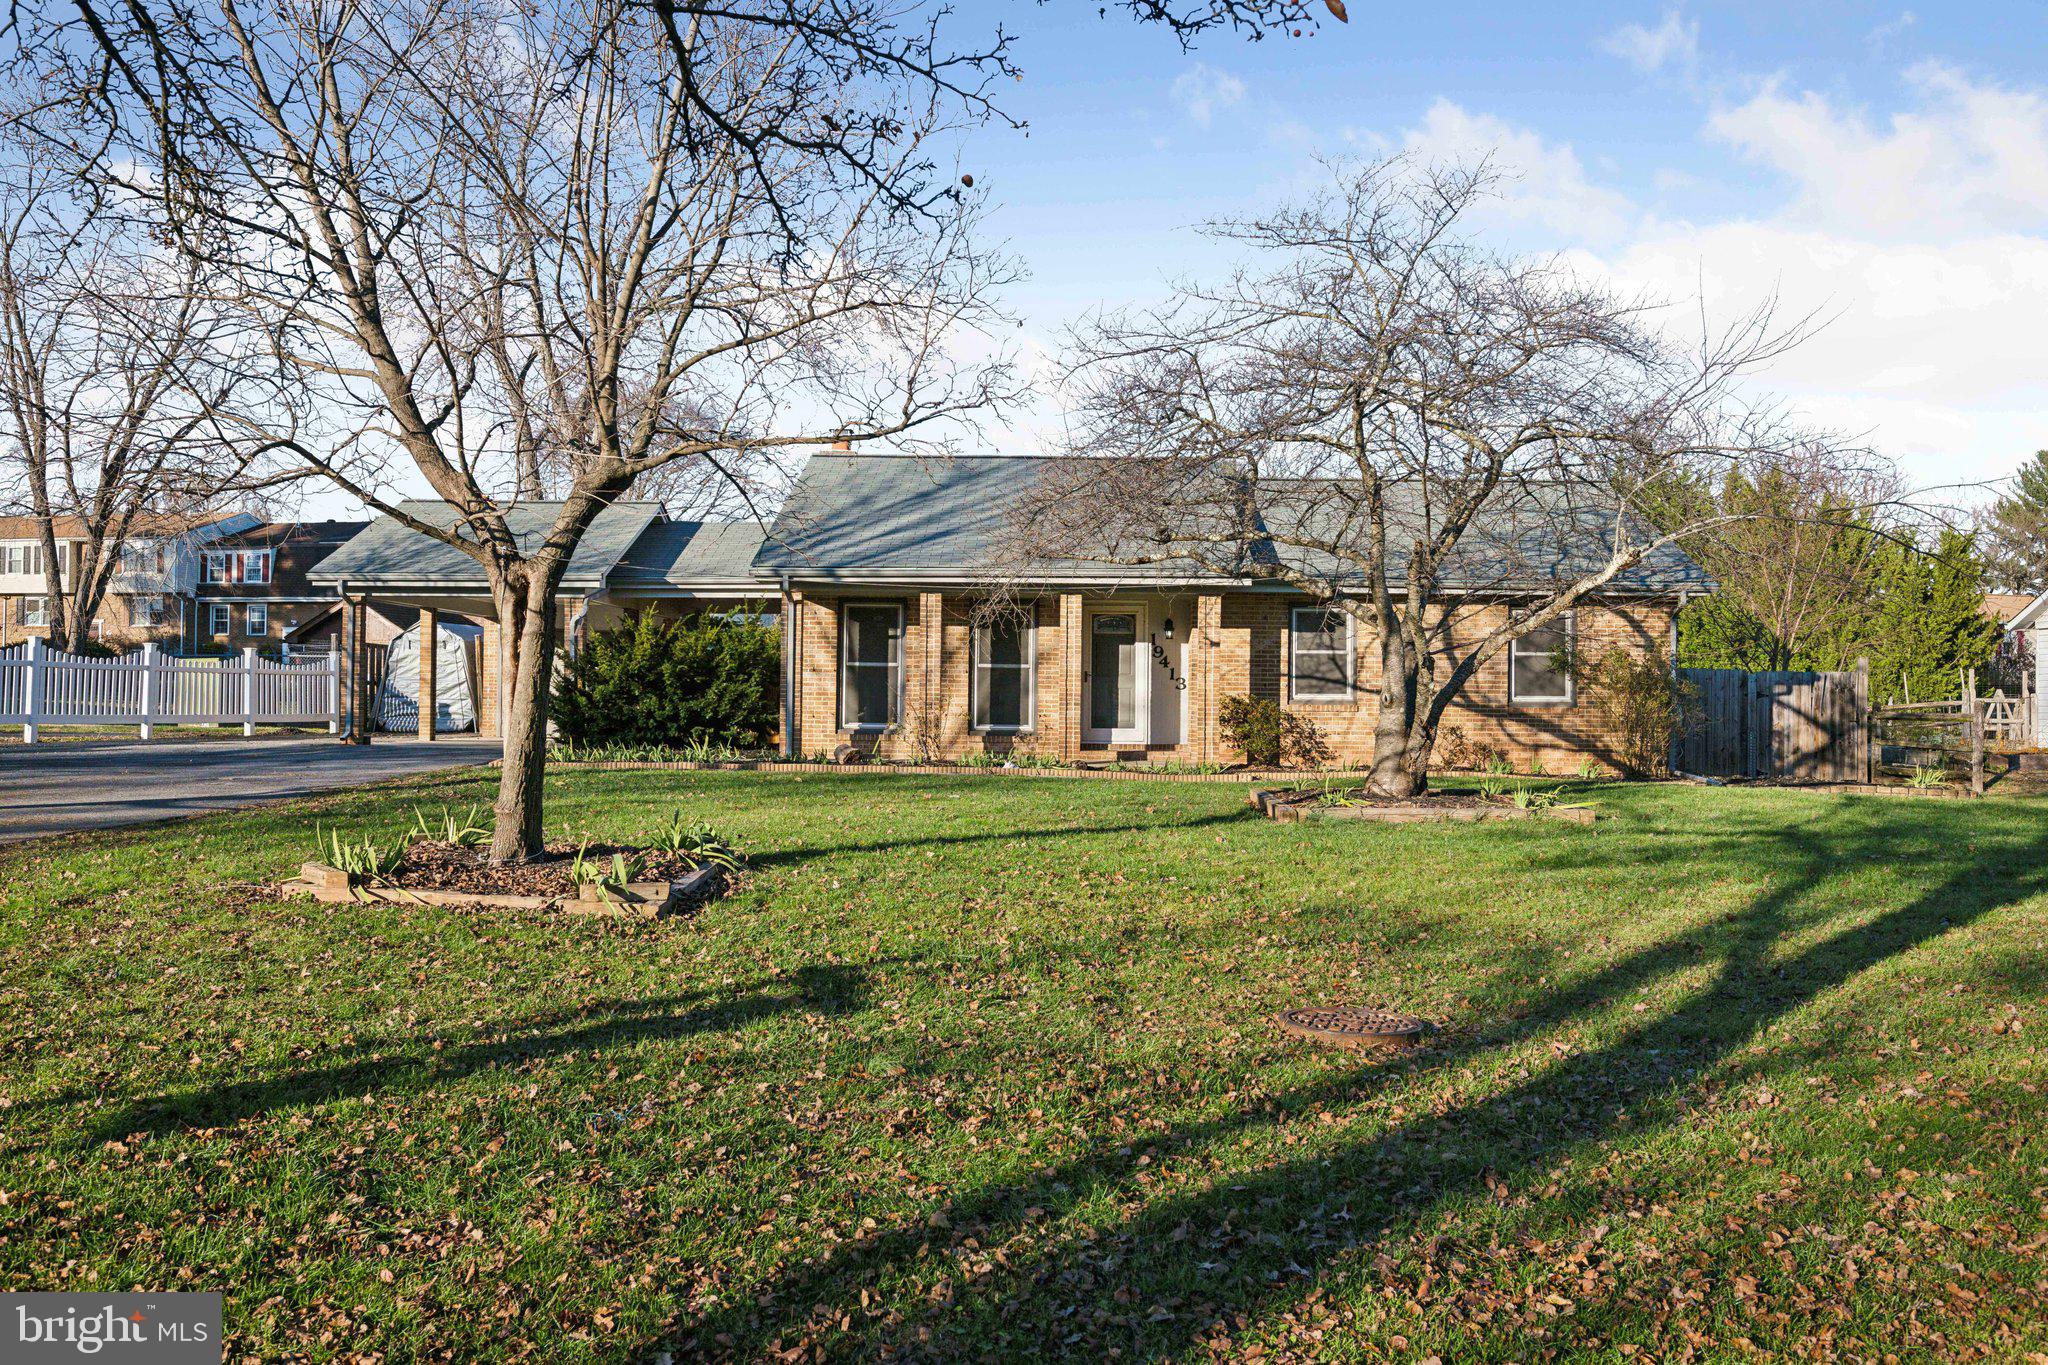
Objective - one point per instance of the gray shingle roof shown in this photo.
(685, 554)
(870, 516)
(390, 554)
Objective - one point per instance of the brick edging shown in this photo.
(903, 770)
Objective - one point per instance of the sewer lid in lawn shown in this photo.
(1352, 1026)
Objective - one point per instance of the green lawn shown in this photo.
(986, 1068)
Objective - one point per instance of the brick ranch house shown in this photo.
(875, 566)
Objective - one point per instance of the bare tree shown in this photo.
(109, 373)
(1451, 446)
(521, 246)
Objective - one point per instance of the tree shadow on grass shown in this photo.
(412, 1063)
(1006, 835)
(1256, 1244)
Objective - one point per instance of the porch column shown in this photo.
(430, 659)
(1073, 641)
(931, 615)
(355, 667)
(791, 677)
(1206, 646)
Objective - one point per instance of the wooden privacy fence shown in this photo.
(1790, 726)
(42, 686)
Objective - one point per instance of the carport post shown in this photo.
(430, 649)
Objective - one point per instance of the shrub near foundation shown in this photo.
(694, 680)
(1269, 736)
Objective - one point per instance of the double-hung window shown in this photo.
(870, 665)
(143, 558)
(1321, 659)
(1004, 676)
(257, 619)
(219, 619)
(35, 611)
(1539, 663)
(21, 558)
(145, 611)
(237, 566)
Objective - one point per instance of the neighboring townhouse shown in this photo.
(875, 567)
(149, 597)
(253, 587)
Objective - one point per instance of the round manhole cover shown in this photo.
(1353, 1026)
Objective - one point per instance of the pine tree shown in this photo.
(1930, 623)
(2015, 533)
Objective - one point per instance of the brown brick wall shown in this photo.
(1238, 645)
(116, 630)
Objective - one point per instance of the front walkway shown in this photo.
(48, 789)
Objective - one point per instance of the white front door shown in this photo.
(1118, 691)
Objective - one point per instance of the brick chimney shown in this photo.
(841, 445)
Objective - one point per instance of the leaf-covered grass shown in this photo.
(985, 1068)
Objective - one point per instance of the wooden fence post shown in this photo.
(1862, 704)
(32, 692)
(146, 728)
(1976, 704)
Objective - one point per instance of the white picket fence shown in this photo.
(42, 686)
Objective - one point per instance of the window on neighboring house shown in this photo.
(1005, 675)
(1321, 660)
(145, 611)
(35, 611)
(143, 557)
(870, 665)
(256, 620)
(237, 566)
(219, 619)
(1539, 662)
(21, 558)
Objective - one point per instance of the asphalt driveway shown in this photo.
(48, 789)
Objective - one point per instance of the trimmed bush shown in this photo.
(706, 678)
(1270, 736)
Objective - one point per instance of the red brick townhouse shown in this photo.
(876, 563)
(150, 594)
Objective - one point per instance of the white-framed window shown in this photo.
(237, 566)
(870, 665)
(1538, 662)
(143, 557)
(21, 557)
(1005, 672)
(145, 611)
(256, 619)
(220, 619)
(35, 611)
(1321, 659)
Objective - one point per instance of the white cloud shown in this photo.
(1544, 182)
(1201, 90)
(1966, 158)
(1881, 37)
(1674, 42)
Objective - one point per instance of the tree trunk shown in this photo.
(527, 618)
(1394, 769)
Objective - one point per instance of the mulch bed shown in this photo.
(433, 866)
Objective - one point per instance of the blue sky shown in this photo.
(1886, 166)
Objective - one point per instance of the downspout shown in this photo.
(1671, 759)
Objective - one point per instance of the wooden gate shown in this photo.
(1789, 727)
